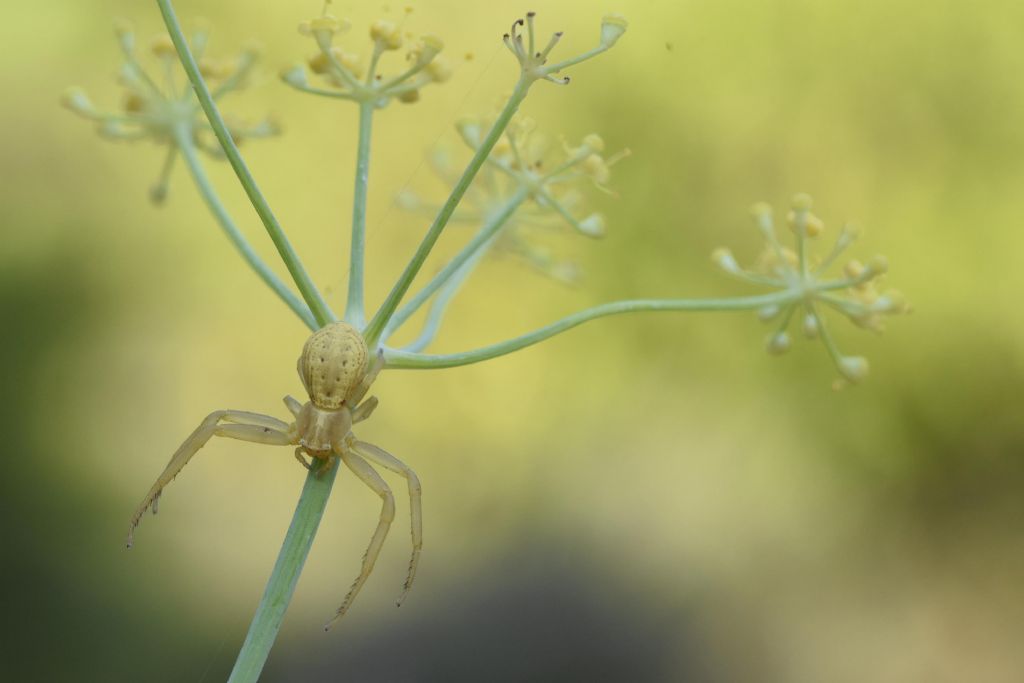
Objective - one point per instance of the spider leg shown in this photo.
(384, 459)
(302, 459)
(247, 426)
(364, 410)
(294, 407)
(376, 365)
(368, 476)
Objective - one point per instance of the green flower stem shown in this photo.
(826, 337)
(387, 309)
(297, 543)
(404, 359)
(195, 167)
(321, 91)
(440, 304)
(309, 292)
(354, 313)
(482, 238)
(555, 68)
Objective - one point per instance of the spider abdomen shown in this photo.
(332, 364)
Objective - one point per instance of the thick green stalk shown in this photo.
(479, 241)
(195, 167)
(270, 612)
(387, 309)
(354, 313)
(404, 359)
(309, 292)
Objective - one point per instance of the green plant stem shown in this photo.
(439, 306)
(297, 543)
(309, 292)
(354, 313)
(483, 237)
(403, 359)
(376, 327)
(195, 167)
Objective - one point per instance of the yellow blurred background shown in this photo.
(649, 498)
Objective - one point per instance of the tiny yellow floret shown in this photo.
(163, 47)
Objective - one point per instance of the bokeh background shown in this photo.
(644, 499)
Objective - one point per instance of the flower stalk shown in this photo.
(381, 318)
(195, 167)
(310, 293)
(278, 594)
(354, 312)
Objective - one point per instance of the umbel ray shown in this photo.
(337, 371)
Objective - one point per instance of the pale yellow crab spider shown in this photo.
(336, 370)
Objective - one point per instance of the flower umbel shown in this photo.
(856, 295)
(349, 77)
(163, 107)
(542, 180)
(524, 194)
(534, 61)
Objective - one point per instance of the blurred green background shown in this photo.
(649, 498)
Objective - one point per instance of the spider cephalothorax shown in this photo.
(334, 369)
(337, 371)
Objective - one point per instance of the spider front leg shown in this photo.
(364, 410)
(294, 407)
(385, 459)
(252, 427)
(360, 390)
(368, 476)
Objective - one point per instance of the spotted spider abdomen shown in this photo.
(332, 364)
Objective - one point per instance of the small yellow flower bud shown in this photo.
(134, 103)
(125, 35)
(810, 326)
(427, 49)
(386, 34)
(325, 26)
(761, 209)
(778, 343)
(409, 96)
(215, 69)
(77, 101)
(502, 150)
(724, 259)
(802, 202)
(439, 70)
(851, 231)
(596, 168)
(854, 269)
(319, 63)
(294, 75)
(351, 61)
(878, 265)
(853, 368)
(594, 142)
(593, 225)
(612, 28)
(814, 226)
(163, 47)
(470, 131)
